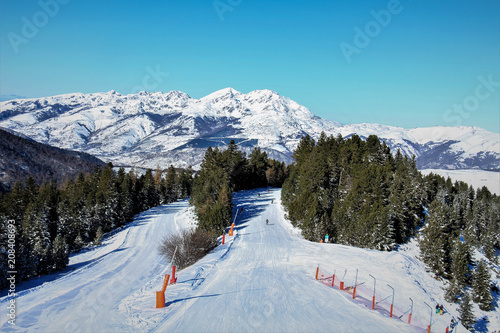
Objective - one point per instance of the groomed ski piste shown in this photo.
(261, 280)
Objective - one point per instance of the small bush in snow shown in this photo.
(192, 245)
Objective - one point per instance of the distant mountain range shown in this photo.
(159, 129)
(22, 157)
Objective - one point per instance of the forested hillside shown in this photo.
(51, 221)
(356, 192)
(21, 158)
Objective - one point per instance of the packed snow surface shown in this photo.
(476, 178)
(261, 280)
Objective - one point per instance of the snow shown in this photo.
(476, 178)
(125, 129)
(261, 280)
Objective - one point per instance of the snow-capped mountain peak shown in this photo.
(154, 128)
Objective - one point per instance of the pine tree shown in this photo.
(171, 194)
(481, 286)
(460, 272)
(60, 253)
(435, 240)
(98, 236)
(465, 311)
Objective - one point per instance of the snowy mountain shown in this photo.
(151, 129)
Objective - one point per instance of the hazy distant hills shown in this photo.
(21, 157)
(159, 129)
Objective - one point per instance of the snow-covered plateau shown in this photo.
(476, 178)
(261, 280)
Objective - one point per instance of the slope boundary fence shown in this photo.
(366, 296)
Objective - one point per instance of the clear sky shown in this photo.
(405, 63)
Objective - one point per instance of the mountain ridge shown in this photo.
(150, 129)
(22, 157)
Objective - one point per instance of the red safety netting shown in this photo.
(364, 295)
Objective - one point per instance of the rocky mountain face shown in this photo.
(159, 129)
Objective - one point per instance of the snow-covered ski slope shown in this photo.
(261, 280)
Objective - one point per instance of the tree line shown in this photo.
(52, 221)
(224, 172)
(460, 221)
(355, 191)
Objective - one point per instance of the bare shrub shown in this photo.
(191, 244)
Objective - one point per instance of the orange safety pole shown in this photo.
(174, 279)
(333, 280)
(429, 329)
(355, 285)
(160, 299)
(231, 230)
(374, 288)
(160, 295)
(392, 303)
(411, 311)
(317, 271)
(165, 282)
(223, 238)
(341, 285)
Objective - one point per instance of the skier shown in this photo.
(441, 309)
(272, 200)
(267, 221)
(452, 323)
(437, 308)
(447, 329)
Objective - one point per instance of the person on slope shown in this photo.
(267, 221)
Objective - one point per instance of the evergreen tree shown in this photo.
(481, 286)
(60, 253)
(171, 194)
(460, 272)
(435, 240)
(98, 236)
(465, 311)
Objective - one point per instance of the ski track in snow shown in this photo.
(261, 280)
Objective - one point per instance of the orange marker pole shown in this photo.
(341, 285)
(409, 319)
(317, 271)
(373, 303)
(160, 299)
(223, 238)
(392, 306)
(333, 280)
(354, 292)
(231, 230)
(429, 329)
(174, 279)
(165, 282)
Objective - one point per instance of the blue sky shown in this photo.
(405, 63)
